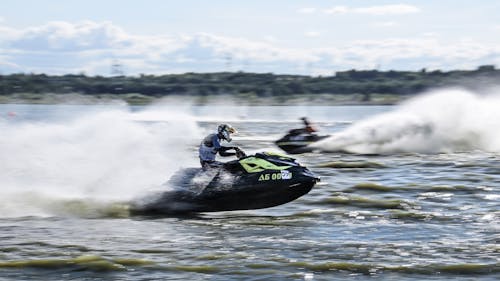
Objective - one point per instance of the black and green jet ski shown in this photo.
(252, 182)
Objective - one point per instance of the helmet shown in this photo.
(225, 131)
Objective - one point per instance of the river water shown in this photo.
(409, 192)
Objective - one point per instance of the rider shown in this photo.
(211, 145)
(307, 129)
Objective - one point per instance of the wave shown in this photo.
(374, 187)
(85, 262)
(442, 121)
(102, 264)
(415, 269)
(350, 165)
(363, 202)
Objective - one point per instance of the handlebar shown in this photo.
(239, 153)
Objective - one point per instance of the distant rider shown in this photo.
(307, 129)
(211, 145)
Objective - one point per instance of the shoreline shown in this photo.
(133, 99)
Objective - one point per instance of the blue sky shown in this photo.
(296, 37)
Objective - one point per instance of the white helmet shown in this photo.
(225, 131)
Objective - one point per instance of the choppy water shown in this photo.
(387, 208)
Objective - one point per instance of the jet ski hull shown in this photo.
(296, 144)
(225, 190)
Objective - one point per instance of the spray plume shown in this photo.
(99, 157)
(450, 120)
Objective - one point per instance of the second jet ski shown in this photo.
(299, 140)
(298, 143)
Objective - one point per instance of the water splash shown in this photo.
(443, 121)
(98, 157)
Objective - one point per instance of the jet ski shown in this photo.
(293, 143)
(258, 181)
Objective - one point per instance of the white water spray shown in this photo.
(103, 157)
(450, 120)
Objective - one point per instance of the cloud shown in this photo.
(386, 24)
(64, 36)
(64, 47)
(5, 64)
(7, 33)
(399, 9)
(312, 34)
(307, 10)
(337, 10)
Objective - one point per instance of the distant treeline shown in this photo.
(363, 83)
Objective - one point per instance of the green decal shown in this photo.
(255, 165)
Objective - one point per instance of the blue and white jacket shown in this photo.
(209, 147)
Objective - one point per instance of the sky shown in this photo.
(307, 37)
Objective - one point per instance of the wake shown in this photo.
(444, 121)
